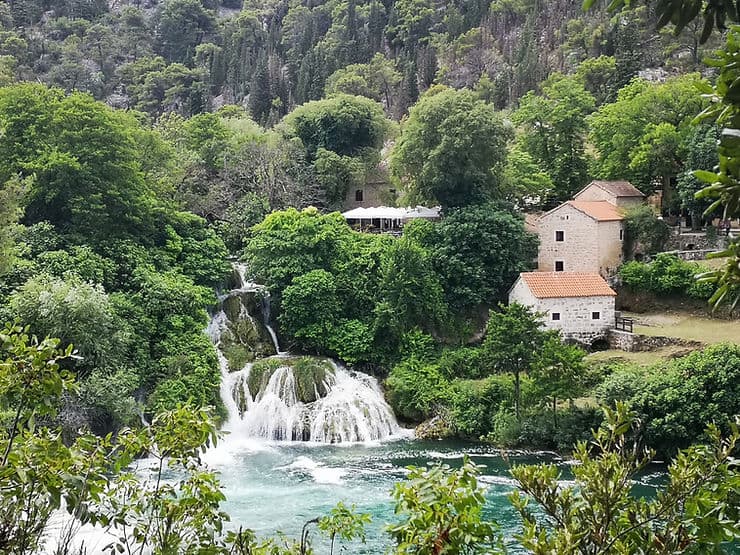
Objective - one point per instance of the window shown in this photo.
(559, 266)
(560, 236)
(621, 235)
(596, 315)
(555, 316)
(358, 195)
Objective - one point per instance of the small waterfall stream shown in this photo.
(287, 398)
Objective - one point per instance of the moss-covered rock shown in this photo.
(245, 338)
(311, 376)
(437, 427)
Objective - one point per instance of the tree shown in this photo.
(675, 400)
(290, 243)
(514, 338)
(645, 116)
(477, 251)
(525, 182)
(452, 149)
(554, 128)
(696, 511)
(701, 154)
(377, 79)
(344, 124)
(10, 213)
(559, 372)
(410, 293)
(79, 313)
(645, 232)
(310, 308)
(442, 511)
(181, 26)
(84, 158)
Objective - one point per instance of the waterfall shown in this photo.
(289, 398)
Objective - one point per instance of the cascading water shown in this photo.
(289, 398)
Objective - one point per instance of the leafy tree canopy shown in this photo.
(452, 149)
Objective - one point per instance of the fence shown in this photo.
(624, 324)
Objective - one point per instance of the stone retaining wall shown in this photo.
(634, 342)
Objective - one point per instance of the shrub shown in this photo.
(415, 389)
(475, 403)
(675, 400)
(665, 276)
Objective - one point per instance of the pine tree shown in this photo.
(260, 97)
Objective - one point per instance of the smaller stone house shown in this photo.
(619, 193)
(580, 305)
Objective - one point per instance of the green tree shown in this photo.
(79, 313)
(696, 511)
(344, 124)
(452, 149)
(646, 232)
(442, 511)
(559, 372)
(676, 400)
(515, 335)
(645, 116)
(701, 154)
(290, 243)
(84, 158)
(477, 251)
(181, 25)
(10, 213)
(409, 293)
(554, 128)
(310, 308)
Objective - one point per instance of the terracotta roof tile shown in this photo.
(617, 188)
(546, 285)
(600, 210)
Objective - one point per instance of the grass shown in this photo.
(643, 358)
(672, 324)
(687, 326)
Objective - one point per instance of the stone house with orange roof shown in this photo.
(586, 234)
(580, 305)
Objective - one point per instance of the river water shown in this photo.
(274, 487)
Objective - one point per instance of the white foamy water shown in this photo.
(349, 406)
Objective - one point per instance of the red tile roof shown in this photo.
(599, 210)
(547, 285)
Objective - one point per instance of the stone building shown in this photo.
(619, 193)
(579, 305)
(370, 193)
(581, 236)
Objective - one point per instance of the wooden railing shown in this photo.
(624, 324)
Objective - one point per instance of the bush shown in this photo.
(475, 403)
(463, 362)
(675, 400)
(665, 276)
(415, 389)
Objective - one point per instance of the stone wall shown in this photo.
(578, 251)
(634, 342)
(611, 247)
(689, 241)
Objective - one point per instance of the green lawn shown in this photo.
(672, 324)
(643, 358)
(687, 326)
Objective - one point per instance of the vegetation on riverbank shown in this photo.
(92, 480)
